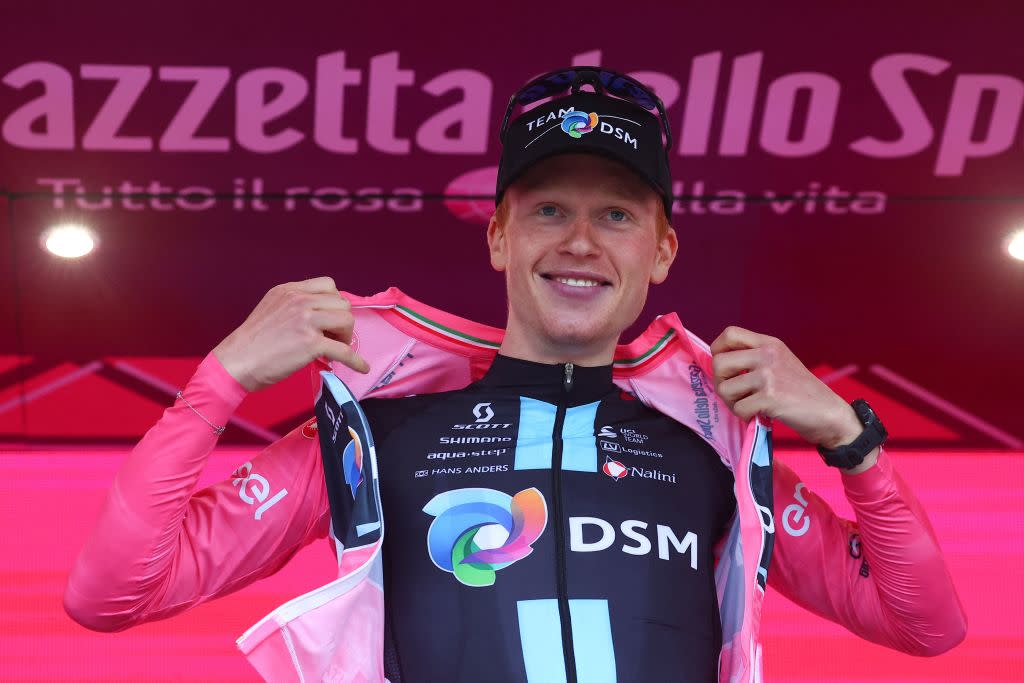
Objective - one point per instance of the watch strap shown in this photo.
(852, 454)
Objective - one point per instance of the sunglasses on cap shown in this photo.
(602, 80)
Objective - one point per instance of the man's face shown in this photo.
(579, 248)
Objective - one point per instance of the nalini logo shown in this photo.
(613, 468)
(577, 123)
(477, 531)
(617, 471)
(482, 412)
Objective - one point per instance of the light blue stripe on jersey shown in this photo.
(762, 455)
(540, 633)
(592, 641)
(579, 449)
(533, 443)
(536, 425)
(363, 529)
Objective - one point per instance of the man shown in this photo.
(574, 530)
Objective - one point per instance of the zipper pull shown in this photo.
(567, 382)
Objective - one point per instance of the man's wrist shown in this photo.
(223, 383)
(869, 461)
(223, 355)
(853, 446)
(847, 428)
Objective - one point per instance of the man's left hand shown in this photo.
(756, 374)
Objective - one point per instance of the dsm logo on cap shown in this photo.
(577, 123)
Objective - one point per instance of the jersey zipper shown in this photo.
(556, 473)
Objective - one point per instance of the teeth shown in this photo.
(574, 282)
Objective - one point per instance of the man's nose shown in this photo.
(581, 237)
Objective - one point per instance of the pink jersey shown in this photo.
(159, 548)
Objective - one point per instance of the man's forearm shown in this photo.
(158, 548)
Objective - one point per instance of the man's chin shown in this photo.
(578, 334)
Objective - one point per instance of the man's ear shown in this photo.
(668, 245)
(496, 243)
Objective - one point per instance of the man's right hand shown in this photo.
(294, 324)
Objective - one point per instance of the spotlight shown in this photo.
(1015, 245)
(69, 240)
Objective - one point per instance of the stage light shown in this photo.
(69, 240)
(1015, 245)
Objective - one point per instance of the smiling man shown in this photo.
(558, 507)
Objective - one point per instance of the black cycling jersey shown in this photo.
(543, 525)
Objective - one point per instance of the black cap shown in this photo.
(591, 123)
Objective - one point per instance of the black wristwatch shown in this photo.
(853, 453)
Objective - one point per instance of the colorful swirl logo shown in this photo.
(478, 531)
(352, 462)
(576, 123)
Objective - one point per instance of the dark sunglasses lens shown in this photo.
(546, 86)
(553, 84)
(630, 90)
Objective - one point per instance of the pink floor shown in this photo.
(975, 500)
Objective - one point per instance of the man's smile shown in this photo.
(577, 284)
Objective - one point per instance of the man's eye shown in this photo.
(548, 210)
(617, 215)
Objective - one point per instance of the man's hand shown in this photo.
(294, 324)
(758, 375)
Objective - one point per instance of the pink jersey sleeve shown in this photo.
(883, 578)
(158, 548)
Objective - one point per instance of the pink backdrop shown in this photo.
(973, 501)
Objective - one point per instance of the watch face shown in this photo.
(870, 419)
(863, 410)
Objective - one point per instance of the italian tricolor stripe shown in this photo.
(450, 333)
(647, 355)
(444, 331)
